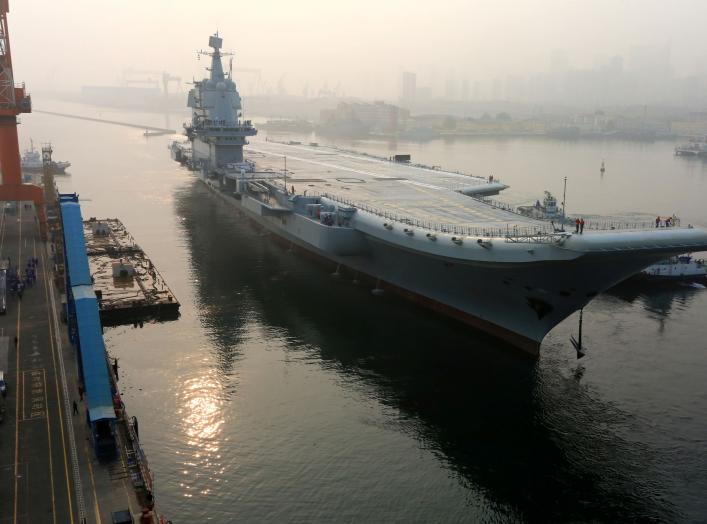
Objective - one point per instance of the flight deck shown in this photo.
(415, 192)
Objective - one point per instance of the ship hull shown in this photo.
(511, 302)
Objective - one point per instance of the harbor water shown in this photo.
(286, 394)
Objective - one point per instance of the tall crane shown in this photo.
(254, 87)
(167, 79)
(14, 101)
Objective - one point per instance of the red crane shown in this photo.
(14, 100)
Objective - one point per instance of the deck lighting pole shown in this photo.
(564, 194)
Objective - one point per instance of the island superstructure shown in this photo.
(429, 234)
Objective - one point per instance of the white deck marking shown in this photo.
(425, 194)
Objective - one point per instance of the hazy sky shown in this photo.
(363, 44)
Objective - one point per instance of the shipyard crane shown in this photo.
(167, 79)
(14, 101)
(149, 82)
(257, 76)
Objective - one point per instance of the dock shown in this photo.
(70, 452)
(128, 286)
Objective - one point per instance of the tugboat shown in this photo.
(32, 162)
(681, 267)
(548, 210)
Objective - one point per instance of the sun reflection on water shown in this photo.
(202, 419)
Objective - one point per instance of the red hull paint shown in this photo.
(527, 345)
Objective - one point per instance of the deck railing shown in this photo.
(592, 224)
(542, 232)
(604, 225)
(516, 233)
(497, 204)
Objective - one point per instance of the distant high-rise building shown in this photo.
(650, 60)
(450, 87)
(281, 89)
(616, 64)
(408, 88)
(558, 61)
(496, 89)
(651, 71)
(424, 94)
(514, 88)
(477, 91)
(465, 90)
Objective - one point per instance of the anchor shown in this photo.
(581, 351)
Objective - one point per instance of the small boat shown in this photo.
(603, 168)
(32, 162)
(695, 147)
(681, 267)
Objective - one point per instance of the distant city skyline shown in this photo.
(644, 76)
(458, 50)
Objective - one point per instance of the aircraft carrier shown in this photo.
(429, 234)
